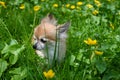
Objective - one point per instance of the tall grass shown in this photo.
(81, 62)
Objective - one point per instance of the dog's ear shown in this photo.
(64, 27)
(50, 16)
(49, 19)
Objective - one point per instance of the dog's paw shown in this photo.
(39, 53)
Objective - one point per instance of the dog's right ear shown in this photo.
(64, 27)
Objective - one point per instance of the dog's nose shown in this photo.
(34, 46)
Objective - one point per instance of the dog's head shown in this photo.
(46, 31)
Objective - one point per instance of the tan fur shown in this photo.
(46, 30)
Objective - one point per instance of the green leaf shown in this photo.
(79, 56)
(16, 77)
(15, 2)
(20, 73)
(17, 51)
(87, 61)
(3, 66)
(104, 19)
(117, 37)
(100, 65)
(13, 59)
(35, 1)
(9, 48)
(12, 50)
(17, 71)
(95, 20)
(72, 59)
(13, 42)
(114, 46)
(13, 45)
(111, 75)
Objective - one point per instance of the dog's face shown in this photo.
(46, 32)
(43, 34)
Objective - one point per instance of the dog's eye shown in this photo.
(43, 40)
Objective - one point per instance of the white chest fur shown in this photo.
(55, 50)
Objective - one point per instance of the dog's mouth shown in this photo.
(38, 48)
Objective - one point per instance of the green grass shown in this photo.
(81, 62)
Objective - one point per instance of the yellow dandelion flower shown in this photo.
(67, 5)
(49, 74)
(95, 12)
(55, 5)
(79, 3)
(22, 6)
(97, 3)
(37, 8)
(72, 6)
(112, 26)
(3, 4)
(90, 41)
(89, 6)
(98, 53)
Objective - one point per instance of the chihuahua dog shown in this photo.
(49, 39)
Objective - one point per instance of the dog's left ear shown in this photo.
(50, 16)
(64, 27)
(49, 19)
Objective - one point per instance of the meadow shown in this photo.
(93, 45)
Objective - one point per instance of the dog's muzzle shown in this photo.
(35, 46)
(38, 46)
